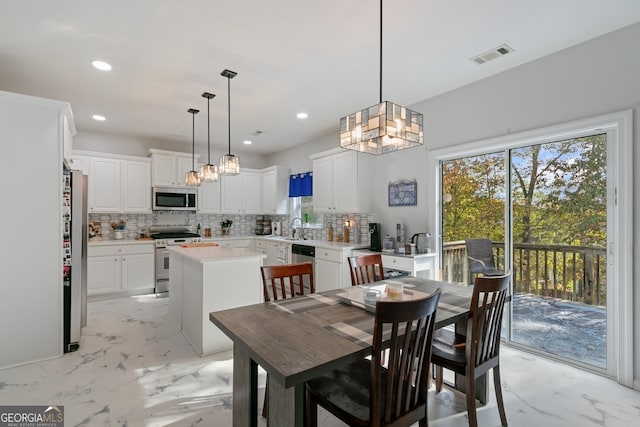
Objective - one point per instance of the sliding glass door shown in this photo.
(559, 237)
(543, 207)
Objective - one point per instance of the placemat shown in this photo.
(304, 303)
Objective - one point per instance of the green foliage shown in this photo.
(559, 193)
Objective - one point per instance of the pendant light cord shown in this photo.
(381, 51)
(208, 132)
(193, 141)
(229, 110)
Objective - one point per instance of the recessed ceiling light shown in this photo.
(302, 115)
(99, 118)
(247, 142)
(101, 65)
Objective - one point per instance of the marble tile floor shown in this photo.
(134, 368)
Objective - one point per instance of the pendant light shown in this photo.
(381, 128)
(192, 178)
(229, 164)
(208, 172)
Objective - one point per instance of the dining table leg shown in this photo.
(286, 405)
(245, 389)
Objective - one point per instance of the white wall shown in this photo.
(297, 158)
(132, 146)
(593, 78)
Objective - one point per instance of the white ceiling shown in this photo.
(319, 56)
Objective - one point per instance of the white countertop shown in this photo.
(105, 242)
(414, 256)
(324, 244)
(215, 253)
(317, 243)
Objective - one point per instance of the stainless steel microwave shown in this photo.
(174, 199)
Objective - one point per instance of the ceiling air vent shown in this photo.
(492, 54)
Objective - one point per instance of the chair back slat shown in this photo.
(365, 269)
(287, 280)
(411, 324)
(485, 326)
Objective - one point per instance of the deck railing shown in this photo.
(573, 273)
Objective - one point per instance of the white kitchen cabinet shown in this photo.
(260, 246)
(168, 168)
(105, 185)
(103, 274)
(120, 268)
(138, 271)
(136, 186)
(275, 190)
(117, 184)
(341, 182)
(278, 252)
(420, 265)
(209, 197)
(240, 193)
(331, 269)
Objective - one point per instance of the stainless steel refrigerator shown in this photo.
(75, 257)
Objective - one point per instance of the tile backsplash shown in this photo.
(243, 225)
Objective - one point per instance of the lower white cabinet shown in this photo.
(420, 265)
(120, 268)
(331, 269)
(278, 253)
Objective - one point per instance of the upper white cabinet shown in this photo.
(341, 182)
(240, 193)
(104, 185)
(136, 186)
(275, 190)
(209, 197)
(168, 168)
(116, 184)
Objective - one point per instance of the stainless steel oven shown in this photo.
(162, 269)
(168, 236)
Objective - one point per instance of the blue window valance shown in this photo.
(301, 184)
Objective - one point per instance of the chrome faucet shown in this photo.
(293, 229)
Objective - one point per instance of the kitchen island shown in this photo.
(206, 279)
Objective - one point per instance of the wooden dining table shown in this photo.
(297, 339)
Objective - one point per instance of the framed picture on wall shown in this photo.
(403, 193)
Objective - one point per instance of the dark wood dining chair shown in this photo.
(287, 280)
(281, 282)
(479, 351)
(365, 269)
(365, 393)
(480, 257)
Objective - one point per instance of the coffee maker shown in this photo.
(375, 236)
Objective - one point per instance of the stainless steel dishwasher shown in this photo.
(303, 253)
